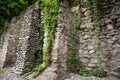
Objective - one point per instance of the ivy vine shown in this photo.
(93, 5)
(50, 9)
(97, 29)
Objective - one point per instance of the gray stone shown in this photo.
(86, 56)
(83, 9)
(76, 8)
(86, 36)
(109, 26)
(88, 68)
(90, 47)
(114, 38)
(84, 60)
(103, 44)
(83, 45)
(91, 51)
(94, 61)
(80, 51)
(9, 43)
(108, 21)
(113, 17)
(82, 26)
(91, 65)
(110, 41)
(28, 40)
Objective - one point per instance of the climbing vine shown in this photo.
(93, 6)
(97, 29)
(50, 9)
(84, 72)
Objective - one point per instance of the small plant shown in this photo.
(2, 70)
(84, 72)
(118, 75)
(73, 58)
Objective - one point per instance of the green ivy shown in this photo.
(73, 58)
(93, 5)
(84, 72)
(39, 50)
(10, 8)
(97, 29)
(50, 9)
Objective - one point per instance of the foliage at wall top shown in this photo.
(10, 8)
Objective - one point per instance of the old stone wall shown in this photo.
(20, 40)
(9, 41)
(28, 40)
(108, 47)
(75, 42)
(110, 40)
(58, 67)
(83, 41)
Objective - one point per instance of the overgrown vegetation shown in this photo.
(73, 58)
(94, 9)
(50, 9)
(84, 72)
(73, 62)
(94, 4)
(39, 50)
(10, 8)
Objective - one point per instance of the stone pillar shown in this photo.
(87, 38)
(9, 41)
(59, 55)
(28, 40)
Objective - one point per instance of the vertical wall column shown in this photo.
(28, 40)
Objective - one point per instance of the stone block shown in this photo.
(28, 40)
(76, 8)
(91, 65)
(91, 51)
(90, 47)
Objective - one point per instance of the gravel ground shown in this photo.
(9, 75)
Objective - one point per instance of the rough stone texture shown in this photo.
(57, 69)
(8, 75)
(108, 60)
(87, 39)
(110, 41)
(9, 41)
(74, 34)
(73, 76)
(28, 40)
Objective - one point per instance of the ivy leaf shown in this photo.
(12, 4)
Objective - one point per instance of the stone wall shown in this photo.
(20, 40)
(9, 41)
(81, 33)
(110, 40)
(58, 67)
(108, 59)
(75, 34)
(28, 40)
